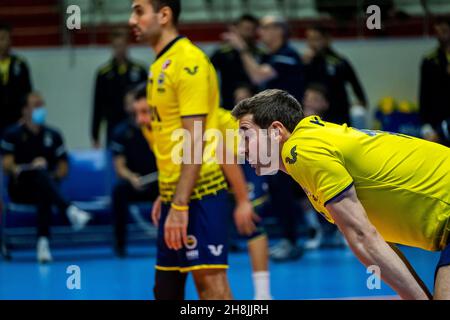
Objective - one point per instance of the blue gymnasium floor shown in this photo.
(322, 274)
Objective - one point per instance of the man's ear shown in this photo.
(279, 131)
(164, 15)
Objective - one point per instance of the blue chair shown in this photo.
(88, 186)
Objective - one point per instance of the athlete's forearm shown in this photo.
(190, 168)
(257, 73)
(188, 178)
(373, 250)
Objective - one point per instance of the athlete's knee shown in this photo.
(212, 284)
(442, 285)
(169, 285)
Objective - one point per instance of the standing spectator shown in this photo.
(325, 66)
(281, 68)
(114, 79)
(133, 159)
(35, 159)
(227, 60)
(15, 81)
(435, 84)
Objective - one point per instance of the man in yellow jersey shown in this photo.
(183, 96)
(379, 188)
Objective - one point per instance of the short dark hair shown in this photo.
(442, 20)
(5, 27)
(249, 18)
(140, 91)
(269, 106)
(320, 88)
(174, 5)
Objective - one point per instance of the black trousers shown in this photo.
(124, 193)
(38, 188)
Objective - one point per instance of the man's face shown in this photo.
(34, 102)
(145, 22)
(120, 47)
(259, 146)
(316, 41)
(5, 42)
(314, 103)
(269, 33)
(443, 33)
(247, 30)
(142, 113)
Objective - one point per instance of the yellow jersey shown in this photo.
(402, 182)
(183, 83)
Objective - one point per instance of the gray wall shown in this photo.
(66, 76)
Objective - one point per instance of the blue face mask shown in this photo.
(39, 115)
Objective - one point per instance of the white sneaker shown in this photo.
(43, 250)
(314, 242)
(263, 297)
(77, 217)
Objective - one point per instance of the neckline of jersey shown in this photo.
(168, 46)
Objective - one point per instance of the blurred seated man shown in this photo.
(35, 159)
(134, 162)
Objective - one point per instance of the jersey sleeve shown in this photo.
(118, 143)
(59, 148)
(193, 90)
(319, 168)
(8, 143)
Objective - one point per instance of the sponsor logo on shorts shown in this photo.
(191, 242)
(192, 255)
(216, 250)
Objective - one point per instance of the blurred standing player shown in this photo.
(323, 65)
(247, 221)
(434, 88)
(15, 81)
(183, 93)
(228, 63)
(114, 79)
(281, 68)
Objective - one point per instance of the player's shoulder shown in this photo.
(105, 68)
(55, 132)
(19, 60)
(432, 56)
(13, 131)
(187, 52)
(311, 133)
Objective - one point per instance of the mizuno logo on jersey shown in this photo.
(191, 71)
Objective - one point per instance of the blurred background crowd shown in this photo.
(72, 152)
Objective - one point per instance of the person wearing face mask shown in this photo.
(133, 162)
(35, 158)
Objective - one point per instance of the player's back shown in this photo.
(402, 182)
(183, 83)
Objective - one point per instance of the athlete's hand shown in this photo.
(175, 229)
(39, 163)
(245, 218)
(135, 181)
(156, 211)
(235, 40)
